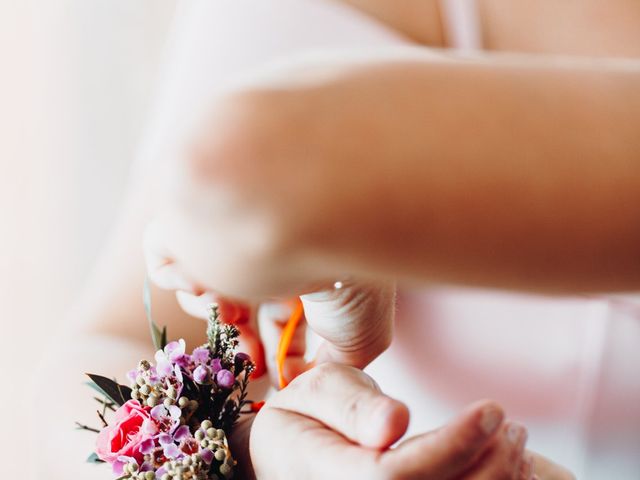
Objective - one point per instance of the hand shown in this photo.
(333, 422)
(355, 320)
(232, 216)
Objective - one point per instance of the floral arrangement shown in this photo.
(174, 419)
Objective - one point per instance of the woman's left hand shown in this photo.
(333, 421)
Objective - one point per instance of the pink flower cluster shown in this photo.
(200, 366)
(166, 431)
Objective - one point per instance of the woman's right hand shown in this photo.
(354, 318)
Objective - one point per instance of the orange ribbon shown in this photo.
(286, 338)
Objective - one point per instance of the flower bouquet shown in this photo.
(174, 419)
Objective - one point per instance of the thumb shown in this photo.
(355, 319)
(348, 401)
(448, 452)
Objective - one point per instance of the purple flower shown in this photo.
(242, 357)
(172, 354)
(168, 442)
(183, 361)
(207, 455)
(147, 446)
(161, 411)
(118, 465)
(165, 439)
(132, 375)
(163, 419)
(181, 433)
(163, 365)
(178, 373)
(171, 451)
(150, 375)
(200, 355)
(153, 376)
(240, 360)
(216, 365)
(175, 350)
(225, 378)
(202, 375)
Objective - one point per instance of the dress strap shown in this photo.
(462, 24)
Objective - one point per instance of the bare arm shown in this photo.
(508, 172)
(500, 174)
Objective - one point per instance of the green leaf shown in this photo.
(93, 458)
(94, 387)
(118, 394)
(159, 337)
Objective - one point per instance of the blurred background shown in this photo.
(76, 89)
(74, 93)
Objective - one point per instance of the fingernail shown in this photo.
(491, 419)
(515, 433)
(195, 305)
(169, 277)
(527, 466)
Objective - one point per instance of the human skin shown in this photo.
(537, 195)
(313, 231)
(363, 422)
(417, 220)
(571, 192)
(574, 27)
(109, 310)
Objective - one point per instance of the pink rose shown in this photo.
(124, 436)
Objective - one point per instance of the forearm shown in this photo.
(503, 173)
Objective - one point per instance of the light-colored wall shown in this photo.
(77, 80)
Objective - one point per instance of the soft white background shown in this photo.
(74, 93)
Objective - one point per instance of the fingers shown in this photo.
(194, 299)
(356, 320)
(347, 401)
(545, 469)
(527, 467)
(326, 412)
(506, 460)
(286, 445)
(195, 305)
(272, 317)
(451, 450)
(161, 267)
